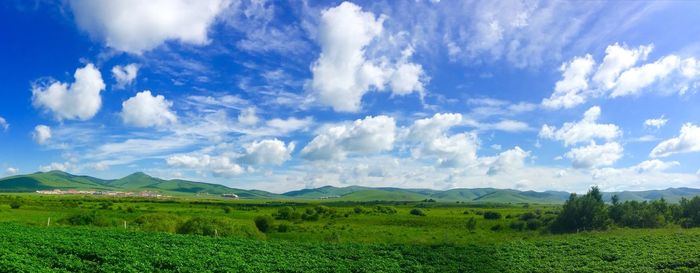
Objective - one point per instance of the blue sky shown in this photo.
(279, 95)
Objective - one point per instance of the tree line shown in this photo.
(590, 212)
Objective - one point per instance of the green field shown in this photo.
(101, 234)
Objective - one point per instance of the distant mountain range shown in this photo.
(142, 182)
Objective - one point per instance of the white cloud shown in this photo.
(285, 126)
(688, 141)
(136, 26)
(635, 79)
(582, 131)
(655, 122)
(146, 110)
(343, 74)
(56, 166)
(11, 171)
(41, 134)
(248, 116)
(508, 161)
(217, 165)
(269, 151)
(79, 100)
(364, 136)
(3, 124)
(654, 165)
(594, 155)
(567, 91)
(431, 139)
(618, 58)
(125, 75)
(618, 76)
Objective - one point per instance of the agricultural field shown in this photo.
(100, 234)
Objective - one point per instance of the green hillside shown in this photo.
(142, 182)
(135, 182)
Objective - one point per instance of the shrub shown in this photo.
(492, 215)
(517, 225)
(527, 216)
(158, 222)
(89, 219)
(471, 224)
(15, 205)
(283, 228)
(263, 223)
(206, 226)
(417, 212)
(358, 210)
(284, 213)
(227, 209)
(496, 227)
(385, 209)
(533, 224)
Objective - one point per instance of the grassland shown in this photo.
(100, 234)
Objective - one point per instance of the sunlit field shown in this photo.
(94, 234)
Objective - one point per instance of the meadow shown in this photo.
(101, 234)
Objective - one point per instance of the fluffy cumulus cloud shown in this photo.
(135, 26)
(430, 138)
(216, 165)
(79, 100)
(343, 73)
(595, 155)
(41, 134)
(508, 161)
(269, 151)
(622, 73)
(618, 58)
(125, 75)
(146, 110)
(3, 124)
(567, 91)
(369, 135)
(582, 131)
(688, 141)
(655, 122)
(654, 165)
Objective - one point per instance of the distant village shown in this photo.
(145, 194)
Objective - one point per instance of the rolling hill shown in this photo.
(142, 182)
(135, 182)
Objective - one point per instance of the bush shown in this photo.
(283, 228)
(385, 209)
(358, 210)
(471, 224)
(89, 219)
(492, 215)
(227, 209)
(533, 224)
(284, 213)
(206, 226)
(158, 222)
(263, 223)
(15, 205)
(527, 216)
(417, 212)
(496, 227)
(517, 225)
